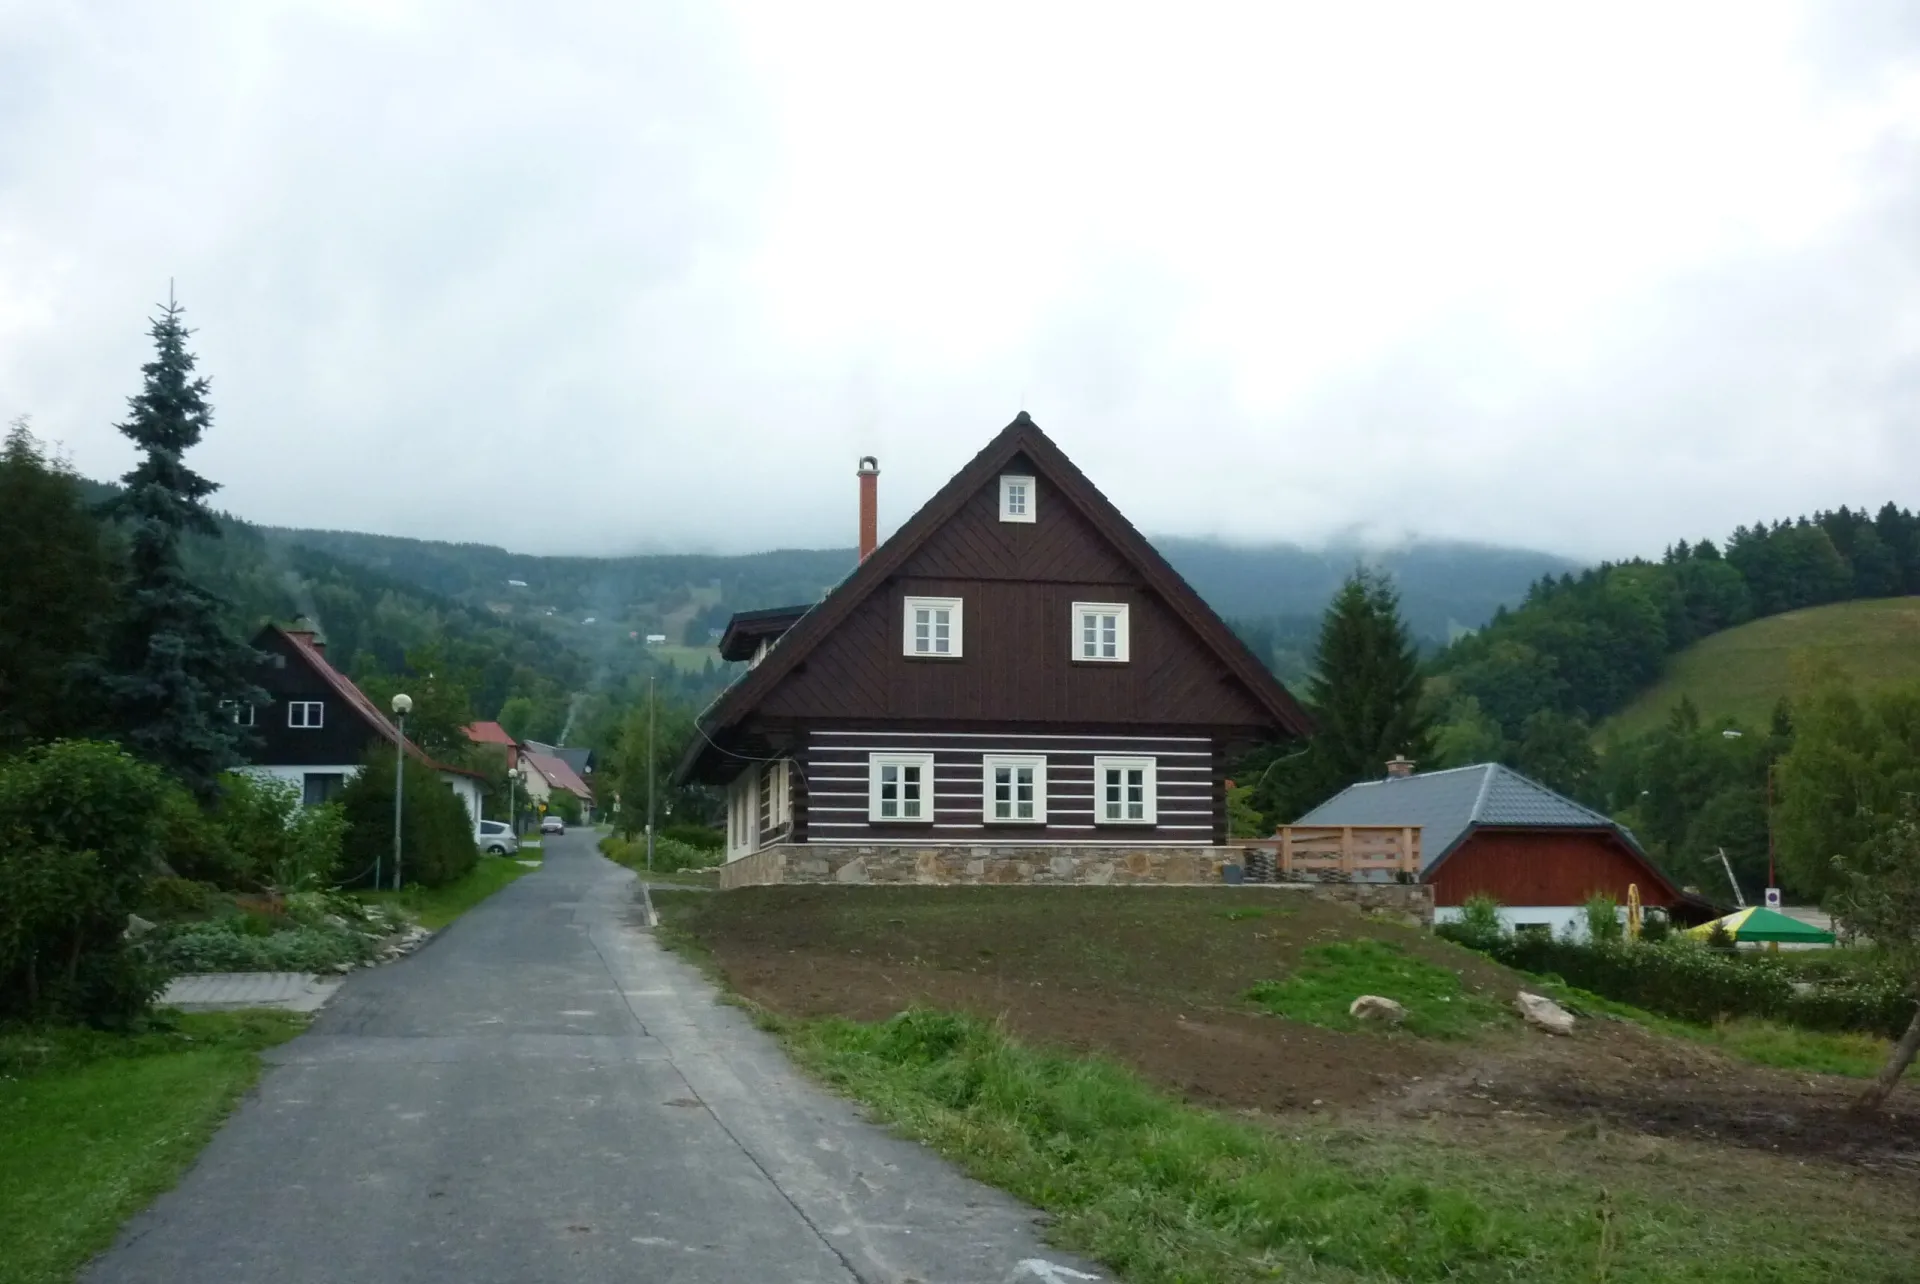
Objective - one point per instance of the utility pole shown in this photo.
(650, 788)
(402, 706)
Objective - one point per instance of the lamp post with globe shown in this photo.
(402, 706)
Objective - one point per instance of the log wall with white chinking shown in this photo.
(835, 789)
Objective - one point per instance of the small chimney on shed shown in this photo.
(1400, 768)
(869, 475)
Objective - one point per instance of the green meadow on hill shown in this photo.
(1742, 673)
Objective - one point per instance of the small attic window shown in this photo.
(1016, 499)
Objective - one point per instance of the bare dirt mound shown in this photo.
(1156, 978)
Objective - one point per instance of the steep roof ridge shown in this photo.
(358, 700)
(1486, 787)
(1022, 435)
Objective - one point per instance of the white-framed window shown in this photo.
(1016, 498)
(240, 712)
(778, 800)
(1014, 787)
(932, 626)
(900, 787)
(743, 813)
(306, 715)
(1100, 631)
(1123, 791)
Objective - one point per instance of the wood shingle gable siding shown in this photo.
(843, 658)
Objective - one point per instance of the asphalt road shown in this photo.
(542, 1094)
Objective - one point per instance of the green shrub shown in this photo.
(192, 846)
(1655, 929)
(1480, 921)
(1602, 913)
(670, 855)
(271, 840)
(177, 899)
(220, 947)
(1680, 979)
(80, 839)
(436, 832)
(705, 837)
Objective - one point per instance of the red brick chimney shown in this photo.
(869, 505)
(1400, 768)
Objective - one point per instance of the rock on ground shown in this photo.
(1373, 1007)
(1538, 1010)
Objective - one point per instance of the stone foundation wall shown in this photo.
(1056, 866)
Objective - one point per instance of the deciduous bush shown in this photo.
(80, 837)
(436, 832)
(669, 854)
(705, 837)
(1683, 980)
(272, 840)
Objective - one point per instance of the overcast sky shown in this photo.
(611, 276)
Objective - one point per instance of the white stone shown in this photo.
(1538, 1010)
(1373, 1007)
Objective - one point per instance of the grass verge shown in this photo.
(1329, 977)
(1167, 1193)
(93, 1126)
(435, 907)
(1767, 1043)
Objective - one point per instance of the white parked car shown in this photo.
(496, 838)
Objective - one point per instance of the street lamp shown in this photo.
(402, 706)
(515, 776)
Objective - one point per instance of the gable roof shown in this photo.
(488, 733)
(1022, 436)
(746, 629)
(1449, 805)
(558, 774)
(312, 653)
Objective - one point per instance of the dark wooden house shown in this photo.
(1014, 685)
(317, 726)
(1490, 830)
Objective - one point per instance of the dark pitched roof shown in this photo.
(747, 628)
(314, 654)
(1449, 805)
(1022, 436)
(558, 774)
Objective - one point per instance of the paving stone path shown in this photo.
(214, 991)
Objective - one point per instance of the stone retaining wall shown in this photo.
(1056, 866)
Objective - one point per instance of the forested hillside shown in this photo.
(1275, 592)
(1529, 688)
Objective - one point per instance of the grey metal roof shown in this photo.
(1447, 805)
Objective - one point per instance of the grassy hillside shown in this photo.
(1743, 672)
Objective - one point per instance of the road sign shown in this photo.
(1773, 898)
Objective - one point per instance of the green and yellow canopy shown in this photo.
(1757, 923)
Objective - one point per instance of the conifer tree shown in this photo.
(55, 597)
(174, 670)
(1366, 686)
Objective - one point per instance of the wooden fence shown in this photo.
(1347, 853)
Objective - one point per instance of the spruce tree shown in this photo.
(174, 669)
(1365, 691)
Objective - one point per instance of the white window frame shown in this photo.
(308, 721)
(1149, 790)
(955, 633)
(240, 711)
(1122, 632)
(743, 814)
(876, 765)
(1007, 483)
(778, 800)
(992, 763)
